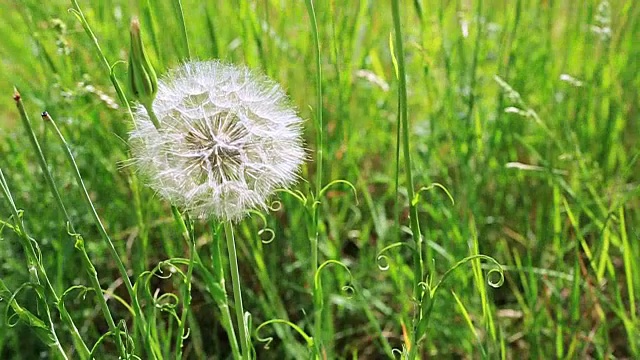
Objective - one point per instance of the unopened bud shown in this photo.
(142, 78)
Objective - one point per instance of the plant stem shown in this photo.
(186, 296)
(89, 268)
(140, 319)
(223, 301)
(237, 295)
(413, 209)
(152, 115)
(37, 272)
(183, 28)
(313, 231)
(85, 25)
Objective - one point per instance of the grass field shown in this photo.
(490, 145)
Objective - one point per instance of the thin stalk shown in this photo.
(319, 122)
(140, 319)
(85, 25)
(152, 115)
(418, 268)
(86, 262)
(218, 277)
(186, 296)
(49, 179)
(313, 231)
(183, 28)
(237, 295)
(37, 272)
(153, 347)
(210, 278)
(223, 302)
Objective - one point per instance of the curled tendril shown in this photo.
(157, 271)
(399, 352)
(186, 335)
(383, 260)
(350, 288)
(275, 206)
(112, 66)
(491, 283)
(173, 269)
(166, 302)
(267, 340)
(122, 331)
(492, 272)
(83, 292)
(339, 181)
(297, 194)
(416, 197)
(19, 311)
(10, 319)
(425, 286)
(98, 342)
(271, 235)
(349, 291)
(248, 321)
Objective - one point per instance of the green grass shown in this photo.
(524, 113)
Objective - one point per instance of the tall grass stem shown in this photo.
(237, 293)
(140, 318)
(418, 268)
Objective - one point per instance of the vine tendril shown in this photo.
(383, 260)
(267, 340)
(416, 197)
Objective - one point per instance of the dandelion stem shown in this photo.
(237, 295)
(212, 279)
(186, 296)
(223, 302)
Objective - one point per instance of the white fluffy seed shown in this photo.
(228, 138)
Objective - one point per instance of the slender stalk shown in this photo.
(223, 303)
(49, 179)
(152, 115)
(313, 231)
(38, 272)
(186, 296)
(140, 319)
(413, 209)
(237, 295)
(85, 25)
(319, 122)
(211, 278)
(86, 262)
(183, 28)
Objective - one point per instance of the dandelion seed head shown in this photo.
(228, 138)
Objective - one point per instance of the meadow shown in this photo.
(471, 189)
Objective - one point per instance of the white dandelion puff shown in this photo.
(227, 139)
